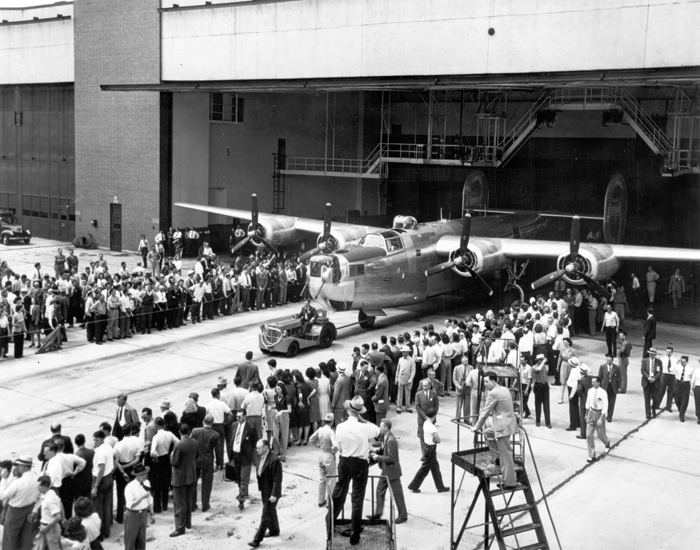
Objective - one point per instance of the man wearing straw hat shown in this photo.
(352, 437)
(22, 497)
(139, 504)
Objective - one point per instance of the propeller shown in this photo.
(326, 241)
(256, 232)
(571, 266)
(460, 259)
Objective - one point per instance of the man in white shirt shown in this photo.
(49, 530)
(127, 454)
(429, 461)
(161, 446)
(352, 437)
(253, 404)
(21, 497)
(695, 390)
(611, 324)
(684, 374)
(102, 481)
(218, 410)
(596, 410)
(668, 379)
(139, 504)
(324, 439)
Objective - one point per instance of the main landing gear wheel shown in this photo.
(366, 321)
(327, 336)
(293, 349)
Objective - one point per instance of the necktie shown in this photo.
(683, 373)
(595, 398)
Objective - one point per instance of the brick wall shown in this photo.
(118, 134)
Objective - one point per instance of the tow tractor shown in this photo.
(287, 335)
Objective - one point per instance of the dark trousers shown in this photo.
(228, 437)
(121, 485)
(90, 327)
(135, 524)
(219, 450)
(611, 340)
(682, 397)
(428, 464)
(542, 401)
(207, 475)
(696, 396)
(67, 496)
(612, 397)
(18, 533)
(146, 318)
(268, 520)
(526, 397)
(582, 413)
(648, 343)
(100, 325)
(356, 470)
(666, 386)
(162, 483)
(650, 399)
(19, 344)
(396, 488)
(183, 501)
(103, 504)
(574, 415)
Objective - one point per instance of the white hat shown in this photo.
(540, 356)
(574, 361)
(583, 367)
(341, 368)
(406, 349)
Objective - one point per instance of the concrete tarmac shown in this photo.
(641, 495)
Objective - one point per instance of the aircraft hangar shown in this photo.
(113, 111)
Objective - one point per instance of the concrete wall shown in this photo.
(190, 157)
(308, 38)
(117, 134)
(36, 51)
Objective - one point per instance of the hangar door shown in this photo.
(37, 158)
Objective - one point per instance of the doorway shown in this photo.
(115, 227)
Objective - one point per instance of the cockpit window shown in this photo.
(320, 267)
(372, 239)
(394, 244)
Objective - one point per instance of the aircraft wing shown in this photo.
(344, 232)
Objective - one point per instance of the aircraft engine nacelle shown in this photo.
(596, 261)
(278, 231)
(346, 234)
(486, 257)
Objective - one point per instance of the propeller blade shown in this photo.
(269, 247)
(306, 255)
(600, 289)
(466, 231)
(254, 213)
(327, 221)
(240, 245)
(548, 278)
(479, 278)
(575, 238)
(439, 268)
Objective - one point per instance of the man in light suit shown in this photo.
(126, 414)
(425, 399)
(676, 287)
(245, 436)
(207, 439)
(184, 480)
(387, 457)
(380, 400)
(651, 373)
(499, 404)
(609, 377)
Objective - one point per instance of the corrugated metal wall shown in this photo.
(37, 164)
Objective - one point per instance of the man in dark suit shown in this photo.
(307, 315)
(184, 480)
(245, 436)
(585, 383)
(380, 399)
(207, 439)
(56, 434)
(125, 415)
(342, 391)
(649, 331)
(651, 373)
(248, 371)
(609, 376)
(387, 457)
(269, 470)
(425, 399)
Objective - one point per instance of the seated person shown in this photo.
(307, 315)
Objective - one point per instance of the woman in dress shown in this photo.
(270, 405)
(314, 409)
(303, 408)
(34, 327)
(567, 352)
(540, 341)
(281, 421)
(324, 390)
(19, 330)
(59, 264)
(291, 394)
(5, 327)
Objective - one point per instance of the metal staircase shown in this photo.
(511, 515)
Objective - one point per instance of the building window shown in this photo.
(226, 108)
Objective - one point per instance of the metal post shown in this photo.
(430, 124)
(325, 156)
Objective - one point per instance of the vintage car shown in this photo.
(286, 335)
(11, 230)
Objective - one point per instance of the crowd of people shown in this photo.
(142, 463)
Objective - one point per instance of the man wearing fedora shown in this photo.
(21, 497)
(139, 504)
(324, 439)
(651, 374)
(352, 438)
(342, 391)
(405, 372)
(584, 384)
(269, 470)
(572, 385)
